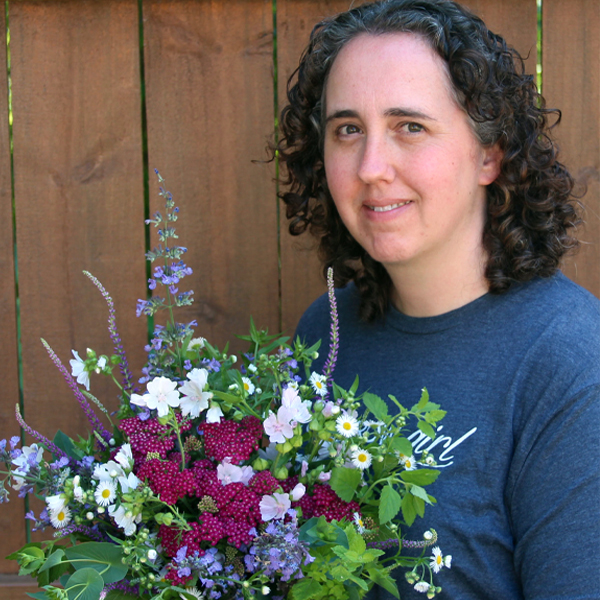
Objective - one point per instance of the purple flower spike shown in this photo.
(85, 405)
(38, 436)
(335, 326)
(115, 337)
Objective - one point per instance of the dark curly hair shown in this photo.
(530, 206)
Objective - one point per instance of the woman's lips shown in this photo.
(387, 207)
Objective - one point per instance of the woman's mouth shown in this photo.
(388, 207)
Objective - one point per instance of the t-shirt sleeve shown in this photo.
(553, 489)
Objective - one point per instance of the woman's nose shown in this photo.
(376, 162)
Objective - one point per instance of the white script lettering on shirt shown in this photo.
(422, 443)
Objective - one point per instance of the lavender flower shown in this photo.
(114, 336)
(38, 436)
(334, 333)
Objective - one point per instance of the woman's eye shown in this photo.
(348, 130)
(414, 127)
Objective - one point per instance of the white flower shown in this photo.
(100, 364)
(299, 409)
(275, 506)
(161, 394)
(360, 526)
(361, 459)
(195, 399)
(56, 503)
(319, 383)
(60, 518)
(279, 426)
(346, 425)
(105, 492)
(214, 413)
(408, 462)
(78, 370)
(448, 561)
(125, 457)
(125, 519)
(421, 586)
(23, 462)
(78, 493)
(298, 491)
(196, 343)
(129, 482)
(194, 592)
(152, 554)
(248, 386)
(228, 473)
(438, 561)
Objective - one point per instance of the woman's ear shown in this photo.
(490, 169)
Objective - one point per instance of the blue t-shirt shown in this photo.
(519, 450)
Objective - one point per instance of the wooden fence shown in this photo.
(201, 99)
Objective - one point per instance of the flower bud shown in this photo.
(281, 473)
(152, 554)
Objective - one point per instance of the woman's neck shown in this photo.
(439, 288)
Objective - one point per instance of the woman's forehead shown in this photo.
(387, 68)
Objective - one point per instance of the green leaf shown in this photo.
(376, 405)
(402, 445)
(103, 557)
(434, 416)
(419, 492)
(65, 443)
(422, 402)
(306, 588)
(389, 505)
(354, 386)
(419, 506)
(39, 595)
(53, 559)
(355, 540)
(409, 513)
(344, 482)
(427, 429)
(85, 584)
(384, 580)
(119, 595)
(420, 476)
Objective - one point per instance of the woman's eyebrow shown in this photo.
(390, 112)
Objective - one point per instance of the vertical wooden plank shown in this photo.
(301, 271)
(209, 87)
(78, 191)
(571, 82)
(515, 21)
(12, 524)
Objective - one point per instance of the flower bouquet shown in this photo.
(226, 477)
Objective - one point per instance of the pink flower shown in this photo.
(299, 409)
(279, 427)
(298, 492)
(275, 506)
(228, 473)
(325, 476)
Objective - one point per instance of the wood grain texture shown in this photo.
(12, 524)
(301, 272)
(515, 21)
(209, 85)
(78, 191)
(13, 587)
(571, 82)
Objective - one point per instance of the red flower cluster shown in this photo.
(167, 481)
(232, 439)
(149, 436)
(324, 501)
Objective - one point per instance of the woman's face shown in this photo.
(403, 165)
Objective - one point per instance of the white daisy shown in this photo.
(346, 425)
(361, 459)
(196, 343)
(422, 586)
(319, 383)
(448, 561)
(105, 492)
(360, 526)
(438, 561)
(408, 462)
(56, 503)
(60, 518)
(248, 386)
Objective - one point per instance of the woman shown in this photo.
(418, 154)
